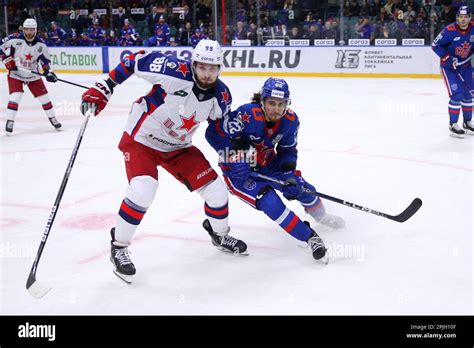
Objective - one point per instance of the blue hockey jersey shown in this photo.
(454, 42)
(274, 142)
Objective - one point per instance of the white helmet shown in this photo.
(208, 51)
(30, 23)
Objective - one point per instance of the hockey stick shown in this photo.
(35, 289)
(402, 217)
(61, 80)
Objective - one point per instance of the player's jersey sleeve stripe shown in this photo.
(125, 68)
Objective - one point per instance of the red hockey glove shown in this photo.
(96, 98)
(10, 63)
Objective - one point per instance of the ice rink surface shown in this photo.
(375, 142)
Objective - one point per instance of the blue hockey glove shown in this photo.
(239, 169)
(296, 184)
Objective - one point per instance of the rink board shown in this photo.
(347, 61)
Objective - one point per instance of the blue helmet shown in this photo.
(464, 10)
(275, 88)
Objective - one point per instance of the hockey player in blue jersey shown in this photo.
(454, 45)
(268, 129)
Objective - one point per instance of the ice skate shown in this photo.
(317, 246)
(468, 127)
(225, 242)
(456, 131)
(54, 122)
(332, 221)
(9, 127)
(120, 258)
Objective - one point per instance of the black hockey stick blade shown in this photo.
(408, 212)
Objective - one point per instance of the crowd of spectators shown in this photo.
(133, 23)
(401, 18)
(183, 23)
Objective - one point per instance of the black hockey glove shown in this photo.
(50, 76)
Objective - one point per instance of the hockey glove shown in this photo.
(50, 76)
(10, 63)
(97, 97)
(450, 61)
(296, 184)
(239, 169)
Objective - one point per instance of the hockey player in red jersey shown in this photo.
(159, 132)
(23, 54)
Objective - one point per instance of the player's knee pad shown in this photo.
(15, 97)
(270, 203)
(44, 99)
(142, 190)
(215, 193)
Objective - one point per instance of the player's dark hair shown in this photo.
(257, 98)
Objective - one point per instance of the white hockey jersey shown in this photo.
(166, 118)
(27, 55)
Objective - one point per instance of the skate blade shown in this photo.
(8, 134)
(468, 132)
(126, 278)
(454, 135)
(235, 253)
(324, 259)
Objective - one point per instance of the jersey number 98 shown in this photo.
(157, 64)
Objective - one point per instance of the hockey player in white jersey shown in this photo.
(22, 54)
(159, 132)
